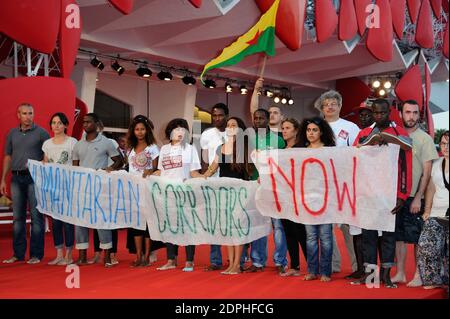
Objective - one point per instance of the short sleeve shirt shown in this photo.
(345, 132)
(94, 154)
(23, 145)
(177, 161)
(143, 160)
(59, 153)
(423, 150)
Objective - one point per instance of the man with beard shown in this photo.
(424, 152)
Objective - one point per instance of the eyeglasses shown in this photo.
(443, 145)
(333, 104)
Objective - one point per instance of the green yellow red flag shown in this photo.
(260, 38)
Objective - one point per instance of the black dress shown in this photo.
(226, 168)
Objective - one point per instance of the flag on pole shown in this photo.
(260, 38)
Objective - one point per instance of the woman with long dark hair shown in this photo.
(295, 232)
(142, 160)
(317, 133)
(232, 160)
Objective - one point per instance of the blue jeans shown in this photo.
(22, 191)
(63, 231)
(279, 237)
(82, 238)
(215, 255)
(258, 252)
(324, 234)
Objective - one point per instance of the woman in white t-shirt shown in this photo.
(178, 160)
(432, 252)
(58, 150)
(142, 160)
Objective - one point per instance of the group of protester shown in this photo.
(421, 208)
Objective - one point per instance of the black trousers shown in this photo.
(114, 241)
(295, 234)
(370, 247)
(172, 252)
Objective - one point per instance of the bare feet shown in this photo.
(399, 277)
(309, 277)
(416, 282)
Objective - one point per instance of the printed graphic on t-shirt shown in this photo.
(171, 162)
(141, 161)
(343, 134)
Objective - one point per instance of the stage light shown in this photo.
(376, 84)
(291, 101)
(211, 84)
(269, 93)
(382, 92)
(165, 76)
(243, 89)
(118, 68)
(284, 100)
(387, 85)
(276, 99)
(228, 88)
(97, 63)
(189, 80)
(144, 72)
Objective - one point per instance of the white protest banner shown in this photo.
(343, 185)
(89, 198)
(218, 211)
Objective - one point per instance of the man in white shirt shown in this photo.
(345, 132)
(210, 140)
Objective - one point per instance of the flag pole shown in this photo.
(263, 68)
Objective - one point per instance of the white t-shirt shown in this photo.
(143, 160)
(441, 196)
(210, 140)
(344, 131)
(59, 153)
(176, 161)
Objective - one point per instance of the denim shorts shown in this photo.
(408, 226)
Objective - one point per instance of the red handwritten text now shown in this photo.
(342, 190)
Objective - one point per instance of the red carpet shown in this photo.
(21, 280)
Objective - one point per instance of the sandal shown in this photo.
(290, 272)
(167, 266)
(324, 278)
(189, 267)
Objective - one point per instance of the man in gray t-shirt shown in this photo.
(24, 143)
(93, 151)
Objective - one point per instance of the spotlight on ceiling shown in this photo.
(284, 100)
(243, 89)
(228, 87)
(165, 76)
(97, 63)
(291, 101)
(276, 99)
(189, 80)
(381, 92)
(144, 72)
(268, 93)
(117, 67)
(376, 84)
(387, 85)
(211, 84)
